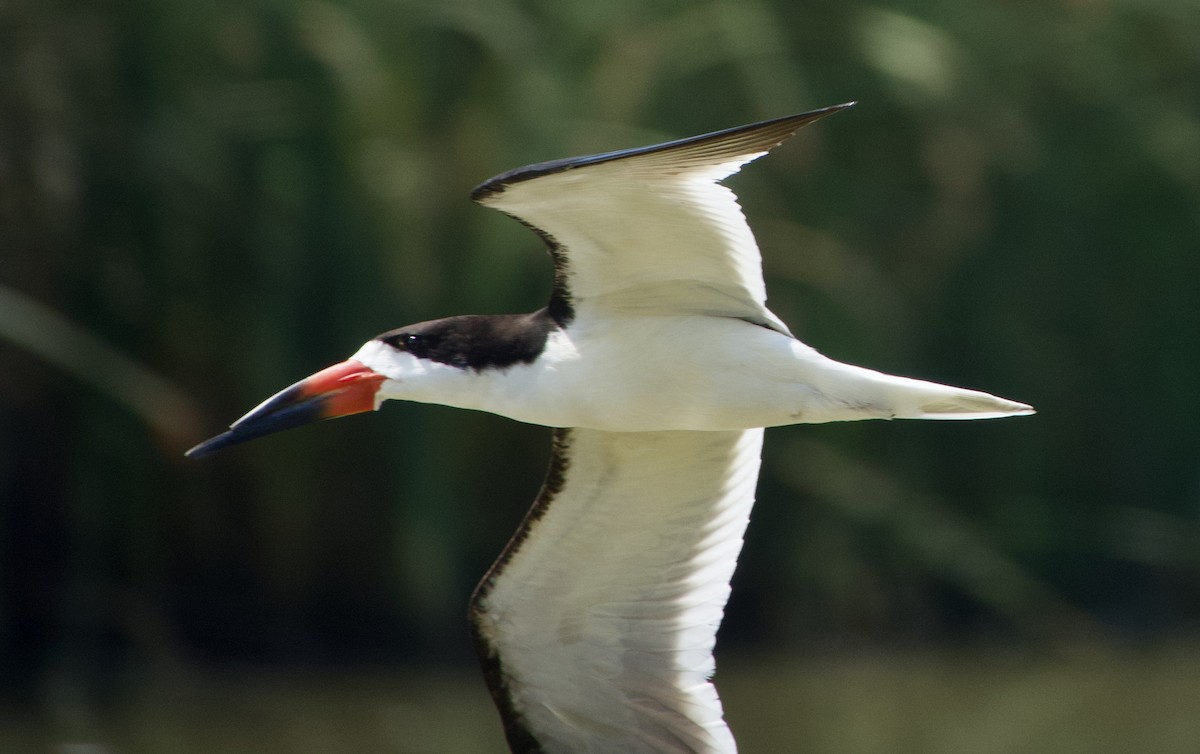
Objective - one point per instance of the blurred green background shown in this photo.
(202, 201)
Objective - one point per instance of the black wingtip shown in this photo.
(802, 119)
(760, 136)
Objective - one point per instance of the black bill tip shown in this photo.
(283, 411)
(212, 445)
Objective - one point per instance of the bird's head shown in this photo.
(443, 361)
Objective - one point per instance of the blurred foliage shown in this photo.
(202, 201)
(981, 700)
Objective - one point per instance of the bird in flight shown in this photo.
(658, 365)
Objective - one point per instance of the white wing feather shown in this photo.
(603, 612)
(651, 230)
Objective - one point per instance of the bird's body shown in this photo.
(659, 364)
(642, 373)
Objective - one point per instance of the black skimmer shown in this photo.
(658, 364)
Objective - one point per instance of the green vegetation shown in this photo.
(202, 201)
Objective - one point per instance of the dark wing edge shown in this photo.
(520, 739)
(705, 149)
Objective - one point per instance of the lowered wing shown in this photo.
(596, 625)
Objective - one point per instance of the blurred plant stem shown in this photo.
(152, 398)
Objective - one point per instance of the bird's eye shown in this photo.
(414, 343)
(401, 341)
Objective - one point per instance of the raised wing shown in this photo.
(596, 625)
(650, 229)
